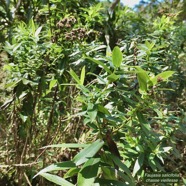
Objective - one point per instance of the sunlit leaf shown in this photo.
(38, 31)
(56, 179)
(56, 167)
(66, 145)
(143, 79)
(166, 149)
(23, 117)
(108, 51)
(52, 83)
(88, 173)
(16, 47)
(75, 77)
(32, 26)
(82, 77)
(13, 84)
(6, 104)
(117, 57)
(72, 172)
(162, 77)
(138, 164)
(161, 158)
(88, 152)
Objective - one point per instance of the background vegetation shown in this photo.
(91, 93)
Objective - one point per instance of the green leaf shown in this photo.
(166, 149)
(84, 90)
(92, 111)
(162, 77)
(56, 167)
(143, 80)
(100, 63)
(120, 164)
(72, 172)
(75, 77)
(82, 77)
(32, 26)
(160, 158)
(66, 145)
(12, 84)
(144, 124)
(38, 31)
(117, 57)
(56, 179)
(108, 51)
(113, 77)
(24, 118)
(26, 81)
(184, 180)
(151, 161)
(88, 172)
(105, 182)
(7, 103)
(108, 173)
(150, 45)
(52, 83)
(102, 109)
(88, 152)
(99, 78)
(126, 178)
(16, 47)
(138, 164)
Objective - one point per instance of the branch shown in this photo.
(112, 7)
(20, 165)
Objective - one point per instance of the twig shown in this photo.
(19, 165)
(24, 150)
(26, 177)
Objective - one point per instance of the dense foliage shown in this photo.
(91, 93)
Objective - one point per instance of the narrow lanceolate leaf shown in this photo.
(66, 145)
(56, 167)
(117, 57)
(110, 182)
(100, 63)
(122, 166)
(144, 124)
(89, 172)
(56, 179)
(166, 149)
(88, 152)
(82, 77)
(32, 25)
(74, 76)
(16, 47)
(38, 31)
(138, 164)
